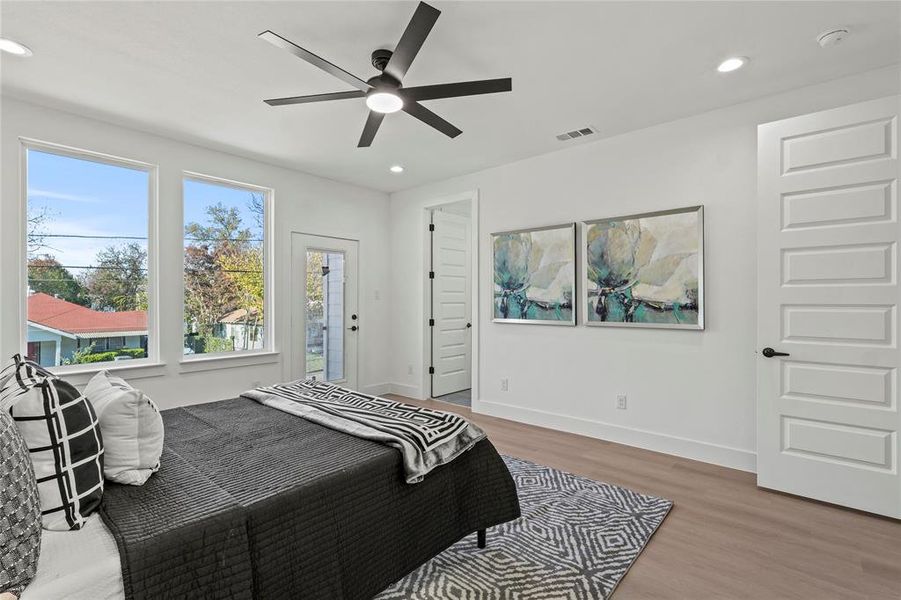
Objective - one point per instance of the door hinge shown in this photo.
(431, 227)
(431, 370)
(431, 274)
(431, 322)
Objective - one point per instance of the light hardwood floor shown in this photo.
(725, 538)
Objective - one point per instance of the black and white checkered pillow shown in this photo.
(20, 510)
(63, 436)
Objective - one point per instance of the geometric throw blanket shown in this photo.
(575, 540)
(425, 438)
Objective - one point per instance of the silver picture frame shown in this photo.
(573, 233)
(587, 287)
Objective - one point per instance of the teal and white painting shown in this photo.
(645, 270)
(534, 275)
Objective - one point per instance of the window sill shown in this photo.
(228, 361)
(81, 375)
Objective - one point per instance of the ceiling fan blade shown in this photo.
(369, 130)
(279, 41)
(411, 41)
(429, 118)
(315, 98)
(455, 90)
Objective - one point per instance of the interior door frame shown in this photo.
(472, 197)
(297, 365)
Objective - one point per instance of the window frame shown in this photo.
(269, 348)
(153, 305)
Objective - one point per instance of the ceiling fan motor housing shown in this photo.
(380, 58)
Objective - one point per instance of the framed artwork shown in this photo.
(644, 270)
(535, 275)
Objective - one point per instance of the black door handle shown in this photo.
(770, 353)
(353, 327)
(468, 325)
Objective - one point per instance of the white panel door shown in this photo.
(325, 322)
(828, 290)
(451, 304)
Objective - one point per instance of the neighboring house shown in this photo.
(56, 329)
(243, 327)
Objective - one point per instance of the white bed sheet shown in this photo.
(78, 565)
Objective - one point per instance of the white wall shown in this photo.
(690, 393)
(302, 203)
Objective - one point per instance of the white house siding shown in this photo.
(334, 298)
(57, 348)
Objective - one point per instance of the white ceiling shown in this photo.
(196, 71)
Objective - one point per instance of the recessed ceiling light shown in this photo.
(396, 169)
(832, 37)
(14, 48)
(732, 64)
(384, 102)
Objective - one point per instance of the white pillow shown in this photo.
(132, 429)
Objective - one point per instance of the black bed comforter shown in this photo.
(253, 503)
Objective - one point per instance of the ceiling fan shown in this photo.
(385, 93)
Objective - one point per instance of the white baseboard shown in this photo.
(735, 458)
(376, 389)
(403, 389)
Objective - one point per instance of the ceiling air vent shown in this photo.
(576, 133)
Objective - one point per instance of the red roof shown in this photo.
(54, 313)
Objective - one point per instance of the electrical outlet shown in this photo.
(621, 401)
(505, 384)
(254, 384)
(409, 369)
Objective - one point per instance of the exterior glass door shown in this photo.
(324, 321)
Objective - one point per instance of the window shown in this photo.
(225, 273)
(87, 234)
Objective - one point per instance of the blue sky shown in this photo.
(83, 197)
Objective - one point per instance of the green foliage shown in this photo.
(315, 362)
(78, 357)
(223, 272)
(47, 275)
(119, 280)
(96, 358)
(224, 230)
(315, 292)
(208, 344)
(244, 267)
(213, 344)
(87, 355)
(209, 292)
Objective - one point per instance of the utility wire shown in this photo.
(140, 238)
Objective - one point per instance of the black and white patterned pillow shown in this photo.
(20, 510)
(63, 436)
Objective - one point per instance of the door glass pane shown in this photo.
(325, 315)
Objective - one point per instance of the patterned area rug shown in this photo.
(575, 541)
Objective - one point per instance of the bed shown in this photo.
(251, 502)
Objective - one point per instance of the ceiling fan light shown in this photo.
(384, 102)
(15, 48)
(732, 64)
